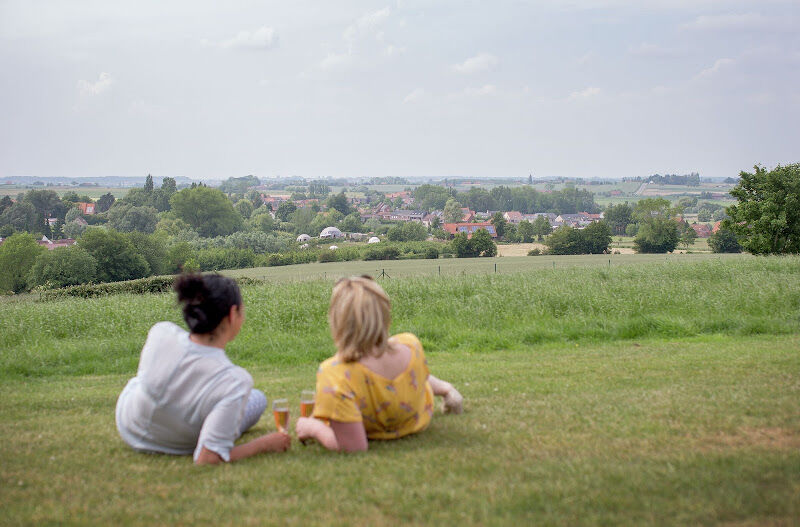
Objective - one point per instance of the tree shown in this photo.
(285, 210)
(525, 231)
(650, 208)
(407, 232)
(565, 240)
(596, 238)
(5, 203)
(462, 247)
(104, 202)
(128, 218)
(73, 229)
(541, 227)
(46, 203)
(499, 223)
(22, 217)
(148, 184)
(436, 222)
(688, 236)
(17, 256)
(351, 223)
(63, 267)
(262, 221)
(117, 259)
(724, 241)
(618, 217)
(340, 203)
(657, 235)
(207, 210)
(153, 249)
(244, 208)
(169, 186)
(452, 212)
(482, 243)
(767, 215)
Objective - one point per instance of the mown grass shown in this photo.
(287, 321)
(694, 431)
(657, 394)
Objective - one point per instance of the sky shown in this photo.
(406, 88)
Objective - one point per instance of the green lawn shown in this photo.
(653, 394)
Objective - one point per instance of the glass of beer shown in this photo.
(307, 403)
(280, 410)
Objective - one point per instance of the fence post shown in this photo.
(495, 268)
(440, 270)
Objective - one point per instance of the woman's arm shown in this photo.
(275, 442)
(344, 437)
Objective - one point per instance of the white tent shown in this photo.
(331, 232)
(333, 247)
(303, 238)
(374, 239)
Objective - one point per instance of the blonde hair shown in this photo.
(359, 316)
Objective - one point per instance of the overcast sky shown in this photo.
(209, 89)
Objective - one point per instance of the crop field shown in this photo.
(93, 192)
(660, 393)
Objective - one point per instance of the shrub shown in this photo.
(724, 241)
(431, 253)
(153, 284)
(328, 256)
(17, 256)
(217, 259)
(534, 252)
(63, 267)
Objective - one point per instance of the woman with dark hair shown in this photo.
(187, 396)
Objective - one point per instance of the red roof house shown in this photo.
(469, 228)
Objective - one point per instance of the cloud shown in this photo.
(487, 89)
(719, 65)
(414, 96)
(476, 64)
(366, 24)
(739, 22)
(102, 84)
(394, 50)
(652, 51)
(588, 93)
(587, 57)
(263, 38)
(336, 61)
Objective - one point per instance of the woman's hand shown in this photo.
(274, 442)
(304, 428)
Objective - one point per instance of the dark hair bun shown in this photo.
(206, 299)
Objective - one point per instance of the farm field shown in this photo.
(664, 393)
(93, 192)
(465, 266)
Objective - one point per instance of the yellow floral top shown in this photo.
(349, 392)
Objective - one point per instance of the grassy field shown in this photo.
(467, 266)
(92, 192)
(664, 393)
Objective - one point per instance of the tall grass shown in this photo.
(286, 323)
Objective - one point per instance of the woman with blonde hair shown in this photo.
(376, 386)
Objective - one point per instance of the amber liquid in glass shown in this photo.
(306, 408)
(281, 419)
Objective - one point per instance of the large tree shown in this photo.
(724, 241)
(62, 267)
(499, 223)
(21, 217)
(657, 235)
(117, 258)
(339, 202)
(767, 215)
(618, 217)
(207, 210)
(452, 211)
(17, 256)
